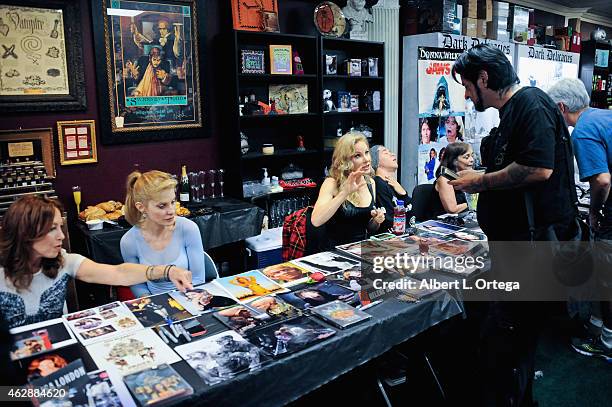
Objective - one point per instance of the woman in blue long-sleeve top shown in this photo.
(158, 236)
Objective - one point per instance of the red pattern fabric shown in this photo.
(294, 234)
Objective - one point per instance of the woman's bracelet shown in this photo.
(167, 271)
(148, 273)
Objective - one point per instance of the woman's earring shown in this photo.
(144, 215)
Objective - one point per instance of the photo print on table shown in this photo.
(221, 357)
(289, 336)
(249, 286)
(438, 227)
(207, 297)
(340, 314)
(320, 294)
(132, 353)
(102, 323)
(241, 318)
(326, 263)
(286, 274)
(44, 364)
(40, 337)
(182, 332)
(159, 384)
(157, 309)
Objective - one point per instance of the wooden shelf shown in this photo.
(279, 153)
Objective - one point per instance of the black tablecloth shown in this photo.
(231, 220)
(284, 380)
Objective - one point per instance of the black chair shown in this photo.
(422, 202)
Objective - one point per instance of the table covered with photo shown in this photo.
(230, 220)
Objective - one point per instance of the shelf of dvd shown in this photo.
(23, 178)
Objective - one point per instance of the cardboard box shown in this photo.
(469, 27)
(501, 9)
(485, 10)
(495, 31)
(470, 9)
(481, 28)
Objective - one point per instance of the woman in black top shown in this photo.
(346, 202)
(388, 190)
(457, 157)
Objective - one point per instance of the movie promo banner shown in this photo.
(439, 94)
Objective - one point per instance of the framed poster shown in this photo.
(28, 145)
(280, 59)
(253, 61)
(42, 60)
(77, 142)
(148, 69)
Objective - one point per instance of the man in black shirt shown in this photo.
(524, 155)
(388, 190)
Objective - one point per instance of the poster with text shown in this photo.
(439, 94)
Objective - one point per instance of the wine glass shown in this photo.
(212, 182)
(202, 183)
(195, 186)
(221, 172)
(76, 194)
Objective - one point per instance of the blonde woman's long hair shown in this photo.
(342, 164)
(142, 187)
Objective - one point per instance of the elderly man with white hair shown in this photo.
(592, 140)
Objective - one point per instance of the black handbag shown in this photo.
(572, 257)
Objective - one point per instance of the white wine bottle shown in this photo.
(184, 186)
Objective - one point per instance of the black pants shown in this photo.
(604, 268)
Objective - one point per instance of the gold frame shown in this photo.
(92, 139)
(45, 135)
(273, 48)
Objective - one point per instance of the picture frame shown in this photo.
(44, 62)
(290, 98)
(147, 69)
(31, 145)
(281, 58)
(255, 15)
(77, 142)
(253, 61)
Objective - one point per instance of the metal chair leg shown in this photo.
(382, 390)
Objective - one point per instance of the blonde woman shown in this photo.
(346, 202)
(158, 236)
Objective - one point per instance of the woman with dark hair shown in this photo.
(430, 165)
(36, 269)
(457, 157)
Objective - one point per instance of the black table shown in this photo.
(232, 220)
(287, 379)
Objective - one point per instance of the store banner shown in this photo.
(541, 67)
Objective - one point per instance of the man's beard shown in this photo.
(479, 106)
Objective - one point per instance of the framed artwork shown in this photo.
(280, 60)
(41, 63)
(147, 69)
(28, 145)
(253, 61)
(290, 98)
(77, 142)
(255, 15)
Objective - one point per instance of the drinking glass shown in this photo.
(472, 200)
(221, 172)
(212, 182)
(202, 183)
(76, 194)
(195, 186)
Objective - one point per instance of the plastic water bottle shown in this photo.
(399, 218)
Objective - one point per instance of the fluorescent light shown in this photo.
(122, 12)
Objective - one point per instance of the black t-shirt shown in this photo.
(530, 133)
(384, 198)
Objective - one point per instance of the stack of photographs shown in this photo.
(256, 314)
(102, 323)
(320, 294)
(41, 337)
(249, 286)
(221, 357)
(289, 336)
(157, 309)
(132, 353)
(207, 297)
(182, 332)
(340, 314)
(160, 384)
(83, 389)
(326, 263)
(286, 274)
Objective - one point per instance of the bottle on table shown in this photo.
(184, 186)
(399, 218)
